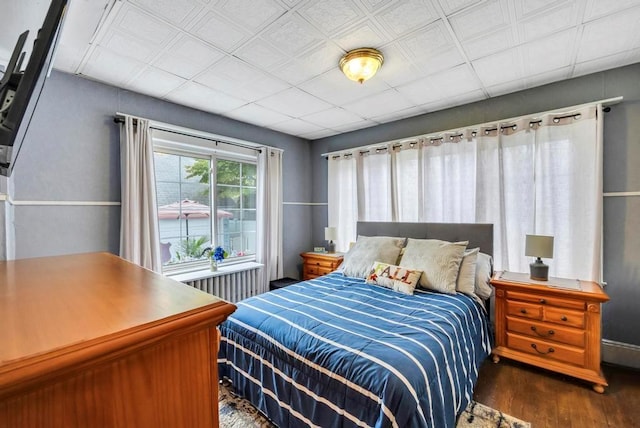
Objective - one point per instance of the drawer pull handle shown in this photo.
(524, 311)
(563, 318)
(543, 301)
(549, 333)
(317, 263)
(551, 350)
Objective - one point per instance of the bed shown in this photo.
(336, 351)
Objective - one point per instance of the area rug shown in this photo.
(236, 412)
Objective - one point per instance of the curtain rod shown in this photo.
(376, 146)
(119, 118)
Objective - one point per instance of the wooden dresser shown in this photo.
(318, 264)
(91, 340)
(550, 327)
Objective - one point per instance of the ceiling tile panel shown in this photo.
(253, 14)
(254, 89)
(506, 87)
(363, 35)
(144, 26)
(597, 40)
(228, 71)
(422, 91)
(294, 102)
(504, 66)
(333, 117)
(319, 134)
(490, 43)
(375, 105)
(294, 72)
(455, 81)
(324, 57)
(365, 123)
(607, 62)
(600, 8)
(548, 77)
(428, 41)
(334, 87)
(406, 16)
(451, 6)
(258, 115)
(449, 102)
(331, 15)
(525, 9)
(261, 54)
(296, 127)
(155, 82)
(130, 47)
(110, 67)
(398, 114)
(175, 11)
(187, 57)
(550, 53)
(482, 19)
(397, 68)
(200, 97)
(292, 34)
(375, 5)
(550, 21)
(219, 31)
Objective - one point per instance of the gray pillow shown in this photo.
(369, 249)
(484, 267)
(438, 260)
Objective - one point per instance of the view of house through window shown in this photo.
(188, 217)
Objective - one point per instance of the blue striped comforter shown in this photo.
(335, 351)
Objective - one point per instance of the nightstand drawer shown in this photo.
(546, 349)
(546, 300)
(317, 270)
(569, 336)
(320, 263)
(525, 310)
(564, 317)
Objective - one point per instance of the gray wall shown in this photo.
(71, 153)
(621, 171)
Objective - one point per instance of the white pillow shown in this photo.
(369, 249)
(466, 282)
(438, 260)
(483, 276)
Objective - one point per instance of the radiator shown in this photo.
(233, 286)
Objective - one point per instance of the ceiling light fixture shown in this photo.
(361, 64)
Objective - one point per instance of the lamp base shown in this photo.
(331, 247)
(539, 271)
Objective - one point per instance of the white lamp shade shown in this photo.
(330, 233)
(539, 246)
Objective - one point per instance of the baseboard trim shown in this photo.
(622, 354)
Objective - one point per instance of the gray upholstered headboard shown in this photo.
(478, 234)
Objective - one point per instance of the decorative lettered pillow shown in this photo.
(397, 278)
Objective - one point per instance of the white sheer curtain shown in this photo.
(536, 175)
(269, 218)
(139, 236)
(342, 195)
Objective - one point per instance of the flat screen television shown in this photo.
(20, 89)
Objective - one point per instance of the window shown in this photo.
(186, 208)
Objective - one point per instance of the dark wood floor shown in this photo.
(548, 399)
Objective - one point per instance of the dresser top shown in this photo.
(80, 301)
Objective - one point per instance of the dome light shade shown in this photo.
(361, 64)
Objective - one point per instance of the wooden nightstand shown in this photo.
(543, 324)
(318, 264)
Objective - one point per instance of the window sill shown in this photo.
(207, 273)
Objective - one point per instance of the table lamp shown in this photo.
(330, 234)
(539, 246)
